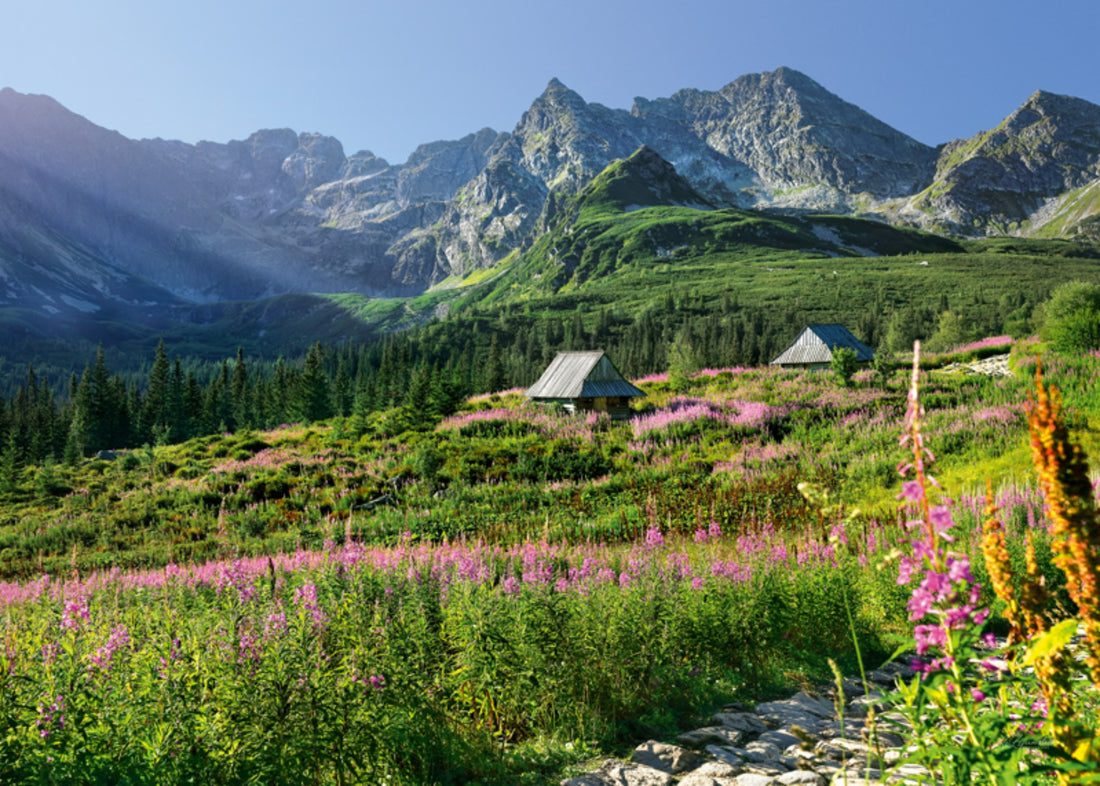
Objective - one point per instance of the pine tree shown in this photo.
(217, 407)
(154, 408)
(193, 405)
(281, 393)
(9, 464)
(446, 394)
(97, 409)
(240, 401)
(343, 395)
(494, 379)
(175, 407)
(417, 402)
(314, 398)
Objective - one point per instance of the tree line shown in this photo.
(427, 372)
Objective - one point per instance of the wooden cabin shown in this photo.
(585, 382)
(813, 349)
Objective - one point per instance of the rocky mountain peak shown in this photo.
(565, 141)
(270, 147)
(556, 102)
(285, 212)
(316, 160)
(435, 171)
(645, 165)
(555, 87)
(784, 86)
(363, 164)
(1013, 175)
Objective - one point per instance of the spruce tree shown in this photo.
(154, 407)
(314, 398)
(241, 403)
(217, 408)
(494, 378)
(97, 409)
(175, 414)
(343, 394)
(9, 464)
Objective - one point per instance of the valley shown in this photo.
(275, 508)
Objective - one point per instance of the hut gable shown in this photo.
(814, 347)
(584, 381)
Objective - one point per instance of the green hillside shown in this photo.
(733, 287)
(630, 264)
(488, 598)
(637, 217)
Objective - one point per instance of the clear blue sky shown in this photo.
(387, 76)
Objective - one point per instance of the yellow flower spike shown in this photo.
(999, 565)
(1075, 529)
(1033, 594)
(1075, 525)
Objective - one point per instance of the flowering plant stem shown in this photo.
(954, 733)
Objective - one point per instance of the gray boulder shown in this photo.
(666, 758)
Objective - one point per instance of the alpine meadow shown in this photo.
(281, 501)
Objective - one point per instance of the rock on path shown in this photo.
(790, 742)
(995, 366)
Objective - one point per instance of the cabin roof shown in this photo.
(581, 375)
(816, 343)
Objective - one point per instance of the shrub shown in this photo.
(1071, 318)
(844, 365)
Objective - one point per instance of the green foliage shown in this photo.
(844, 365)
(884, 366)
(499, 470)
(1071, 318)
(349, 666)
(951, 331)
(487, 653)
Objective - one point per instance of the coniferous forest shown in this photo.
(431, 369)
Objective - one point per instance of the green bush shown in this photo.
(844, 365)
(1071, 318)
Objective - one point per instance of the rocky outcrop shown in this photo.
(1014, 177)
(800, 740)
(435, 172)
(490, 216)
(283, 212)
(794, 136)
(995, 366)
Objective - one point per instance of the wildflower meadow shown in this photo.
(496, 598)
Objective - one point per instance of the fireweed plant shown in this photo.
(409, 664)
(979, 709)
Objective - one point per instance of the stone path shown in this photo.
(995, 366)
(798, 740)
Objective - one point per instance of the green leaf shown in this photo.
(1050, 642)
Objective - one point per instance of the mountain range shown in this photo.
(98, 228)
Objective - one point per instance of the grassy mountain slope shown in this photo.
(637, 240)
(725, 446)
(616, 248)
(1075, 214)
(639, 216)
(591, 583)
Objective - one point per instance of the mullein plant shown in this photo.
(1075, 543)
(979, 710)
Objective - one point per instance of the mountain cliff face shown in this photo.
(277, 212)
(776, 140)
(1017, 175)
(796, 143)
(119, 221)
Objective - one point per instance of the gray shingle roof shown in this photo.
(581, 375)
(816, 344)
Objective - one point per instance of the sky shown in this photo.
(389, 76)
